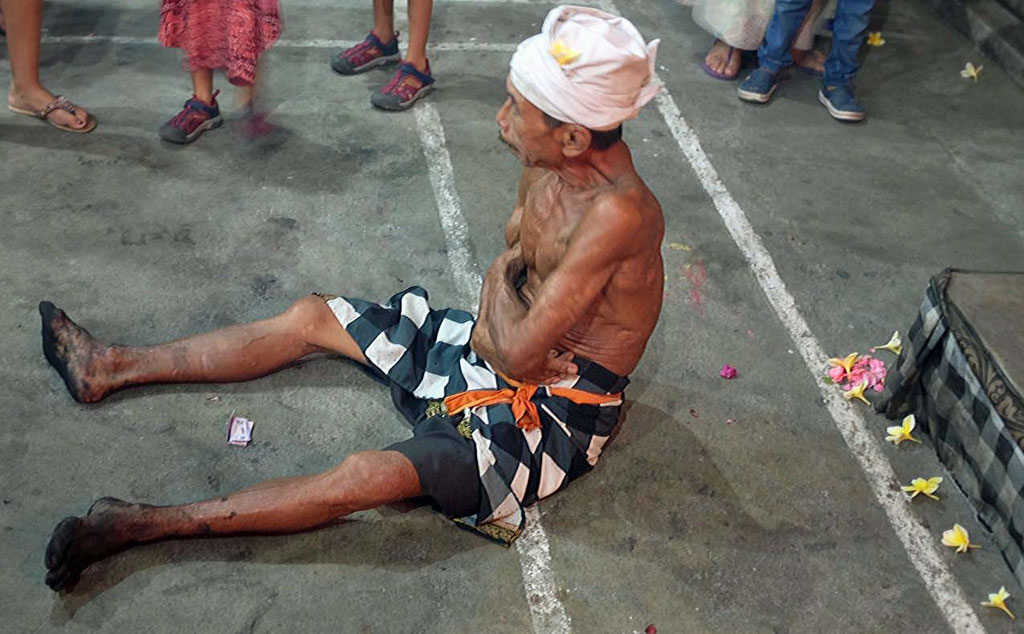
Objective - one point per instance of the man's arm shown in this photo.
(522, 337)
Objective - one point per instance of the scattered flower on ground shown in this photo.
(970, 72)
(894, 346)
(728, 372)
(998, 600)
(920, 485)
(875, 39)
(958, 538)
(854, 369)
(857, 392)
(899, 433)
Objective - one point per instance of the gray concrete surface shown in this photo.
(690, 522)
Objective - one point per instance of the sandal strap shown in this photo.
(59, 103)
(408, 69)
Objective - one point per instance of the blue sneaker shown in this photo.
(758, 87)
(841, 103)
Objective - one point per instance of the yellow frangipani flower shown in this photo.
(958, 538)
(970, 72)
(562, 53)
(894, 346)
(846, 363)
(998, 600)
(899, 433)
(875, 39)
(857, 392)
(920, 485)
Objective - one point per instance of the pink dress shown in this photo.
(228, 34)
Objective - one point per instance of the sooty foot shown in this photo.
(73, 352)
(77, 542)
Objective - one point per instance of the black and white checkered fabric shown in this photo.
(425, 355)
(934, 379)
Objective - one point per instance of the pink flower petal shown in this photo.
(728, 372)
(837, 374)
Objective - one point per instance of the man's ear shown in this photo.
(574, 139)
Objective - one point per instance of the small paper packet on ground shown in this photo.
(239, 430)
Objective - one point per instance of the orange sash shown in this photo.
(521, 400)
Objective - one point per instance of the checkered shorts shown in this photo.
(425, 355)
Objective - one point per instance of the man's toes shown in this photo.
(60, 540)
(61, 578)
(48, 312)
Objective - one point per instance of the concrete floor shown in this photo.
(690, 522)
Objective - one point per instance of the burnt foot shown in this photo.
(77, 542)
(73, 352)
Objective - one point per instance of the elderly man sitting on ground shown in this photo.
(507, 407)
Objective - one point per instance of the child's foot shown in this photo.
(811, 62)
(841, 103)
(195, 118)
(254, 128)
(759, 86)
(370, 53)
(407, 87)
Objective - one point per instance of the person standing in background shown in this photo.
(412, 80)
(23, 21)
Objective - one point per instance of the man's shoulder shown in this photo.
(625, 206)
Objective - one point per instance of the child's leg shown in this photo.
(848, 29)
(804, 40)
(773, 55)
(419, 30)
(384, 20)
(202, 84)
(245, 96)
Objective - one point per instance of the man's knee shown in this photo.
(369, 478)
(308, 315)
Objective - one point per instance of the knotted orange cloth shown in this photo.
(521, 400)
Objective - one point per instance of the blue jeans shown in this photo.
(848, 29)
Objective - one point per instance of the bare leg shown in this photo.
(363, 481)
(384, 20)
(202, 84)
(419, 30)
(803, 51)
(24, 22)
(92, 369)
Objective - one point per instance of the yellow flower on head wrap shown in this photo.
(562, 53)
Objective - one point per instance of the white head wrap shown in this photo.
(586, 67)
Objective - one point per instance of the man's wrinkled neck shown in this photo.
(593, 168)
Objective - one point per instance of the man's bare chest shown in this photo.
(546, 226)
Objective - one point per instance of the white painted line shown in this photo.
(449, 205)
(865, 445)
(546, 611)
(127, 40)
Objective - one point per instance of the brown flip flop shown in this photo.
(59, 103)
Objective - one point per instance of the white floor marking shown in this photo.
(283, 43)
(546, 611)
(864, 444)
(449, 205)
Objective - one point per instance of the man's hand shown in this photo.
(557, 367)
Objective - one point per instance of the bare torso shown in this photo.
(615, 328)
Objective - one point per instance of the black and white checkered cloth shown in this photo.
(971, 421)
(425, 355)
